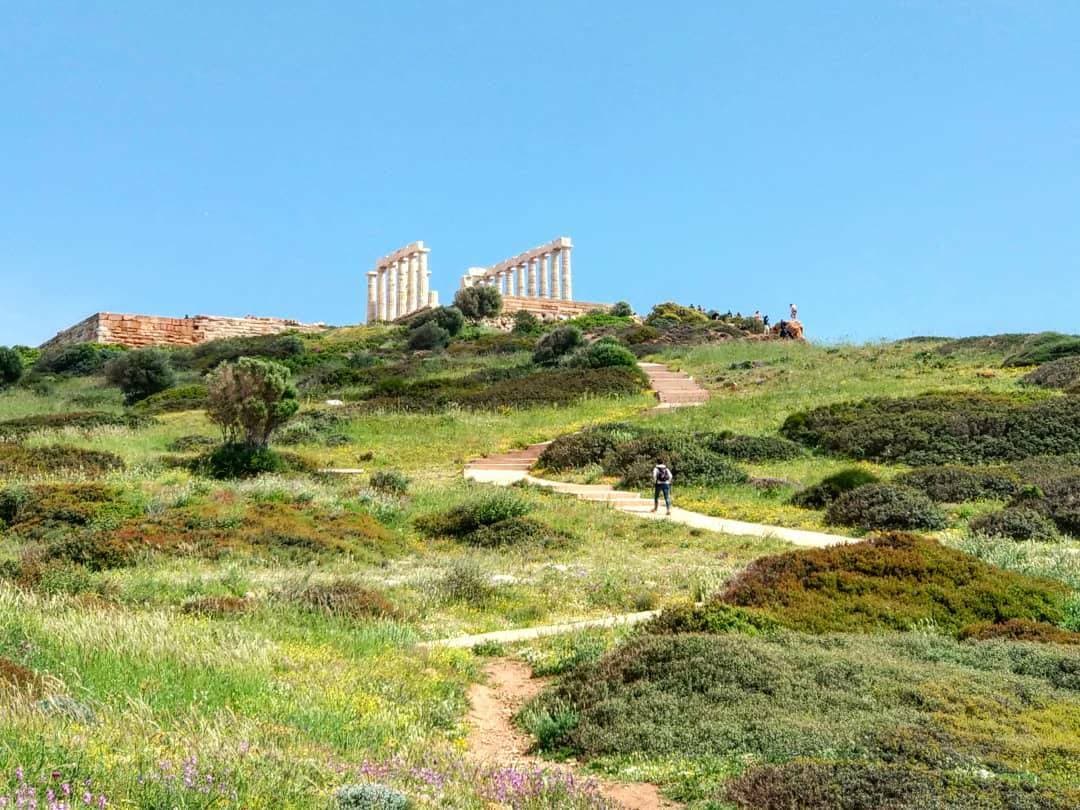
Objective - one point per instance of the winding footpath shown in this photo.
(674, 389)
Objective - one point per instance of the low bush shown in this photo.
(96, 551)
(239, 460)
(428, 336)
(78, 420)
(491, 344)
(140, 374)
(449, 319)
(11, 366)
(392, 482)
(481, 511)
(1063, 374)
(316, 426)
(556, 344)
(1019, 630)
(603, 354)
(466, 581)
(621, 309)
(587, 447)
(370, 796)
(952, 484)
(1043, 470)
(17, 460)
(689, 465)
(865, 786)
(517, 532)
(966, 428)
(181, 398)
(36, 511)
(287, 347)
(525, 323)
(76, 359)
(639, 334)
(1058, 499)
(342, 599)
(1017, 523)
(754, 449)
(712, 617)
(671, 314)
(829, 489)
(892, 581)
(217, 607)
(876, 507)
(1044, 348)
(17, 676)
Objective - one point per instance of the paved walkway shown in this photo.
(673, 390)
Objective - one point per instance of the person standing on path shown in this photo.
(661, 477)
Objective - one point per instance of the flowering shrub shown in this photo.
(370, 797)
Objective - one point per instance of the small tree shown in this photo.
(555, 344)
(140, 374)
(11, 367)
(622, 309)
(250, 399)
(477, 303)
(428, 336)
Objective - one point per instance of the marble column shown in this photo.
(532, 277)
(556, 282)
(522, 272)
(372, 295)
(545, 278)
(567, 288)
(403, 288)
(414, 282)
(391, 291)
(384, 293)
(425, 280)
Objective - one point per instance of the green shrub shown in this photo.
(449, 319)
(690, 461)
(1019, 630)
(885, 506)
(589, 446)
(754, 449)
(865, 786)
(639, 334)
(713, 617)
(671, 314)
(1044, 348)
(829, 489)
(1063, 373)
(983, 344)
(182, 398)
(464, 580)
(489, 343)
(77, 420)
(370, 797)
(250, 399)
(428, 336)
(952, 484)
(36, 511)
(968, 428)
(94, 550)
(140, 374)
(11, 366)
(287, 347)
(1017, 523)
(556, 344)
(477, 303)
(240, 460)
(17, 460)
(603, 354)
(1041, 470)
(517, 532)
(392, 482)
(621, 309)
(525, 323)
(892, 581)
(76, 359)
(466, 518)
(1059, 499)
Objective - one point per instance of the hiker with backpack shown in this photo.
(661, 477)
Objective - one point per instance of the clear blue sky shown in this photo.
(895, 168)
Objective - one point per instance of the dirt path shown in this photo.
(495, 740)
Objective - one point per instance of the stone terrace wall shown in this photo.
(136, 331)
(549, 309)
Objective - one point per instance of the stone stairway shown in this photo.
(674, 389)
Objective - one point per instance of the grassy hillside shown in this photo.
(184, 641)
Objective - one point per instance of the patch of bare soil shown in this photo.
(495, 740)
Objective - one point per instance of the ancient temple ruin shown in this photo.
(400, 284)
